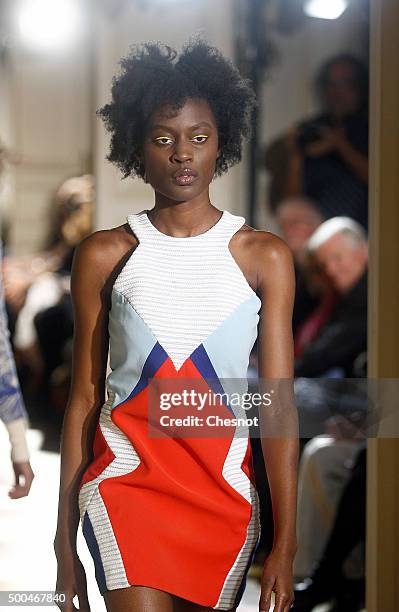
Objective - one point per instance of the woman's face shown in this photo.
(180, 150)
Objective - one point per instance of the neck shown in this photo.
(183, 219)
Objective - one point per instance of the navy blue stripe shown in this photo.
(200, 359)
(155, 359)
(92, 544)
(152, 364)
(243, 584)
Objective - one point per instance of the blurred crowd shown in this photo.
(38, 302)
(318, 194)
(318, 171)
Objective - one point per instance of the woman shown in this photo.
(172, 523)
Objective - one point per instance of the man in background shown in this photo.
(340, 248)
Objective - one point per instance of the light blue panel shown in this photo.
(131, 341)
(229, 346)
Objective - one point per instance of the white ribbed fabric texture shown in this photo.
(239, 481)
(183, 288)
(90, 500)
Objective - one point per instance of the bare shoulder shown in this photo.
(103, 251)
(265, 244)
(265, 255)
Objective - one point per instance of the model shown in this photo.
(172, 521)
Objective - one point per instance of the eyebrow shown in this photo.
(192, 127)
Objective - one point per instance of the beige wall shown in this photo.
(7, 177)
(47, 128)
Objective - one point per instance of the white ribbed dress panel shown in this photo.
(183, 288)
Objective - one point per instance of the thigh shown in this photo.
(146, 599)
(182, 605)
(138, 599)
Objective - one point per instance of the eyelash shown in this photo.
(160, 138)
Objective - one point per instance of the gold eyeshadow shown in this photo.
(161, 138)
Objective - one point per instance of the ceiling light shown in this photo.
(48, 24)
(325, 9)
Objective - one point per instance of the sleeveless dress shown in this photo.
(178, 515)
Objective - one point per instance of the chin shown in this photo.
(344, 286)
(180, 194)
(183, 195)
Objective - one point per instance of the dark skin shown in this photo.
(189, 138)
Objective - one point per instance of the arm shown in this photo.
(12, 408)
(90, 300)
(278, 423)
(356, 160)
(335, 139)
(294, 177)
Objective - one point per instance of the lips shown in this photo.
(184, 176)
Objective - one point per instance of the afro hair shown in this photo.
(153, 75)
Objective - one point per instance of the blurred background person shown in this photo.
(297, 218)
(325, 296)
(328, 579)
(325, 157)
(340, 248)
(37, 291)
(12, 408)
(332, 411)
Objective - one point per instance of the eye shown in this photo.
(200, 139)
(163, 140)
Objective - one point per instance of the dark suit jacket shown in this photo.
(341, 339)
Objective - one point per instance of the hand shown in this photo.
(71, 580)
(291, 140)
(17, 278)
(23, 469)
(332, 139)
(277, 576)
(341, 428)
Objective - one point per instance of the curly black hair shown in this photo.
(152, 76)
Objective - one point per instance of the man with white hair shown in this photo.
(339, 245)
(330, 503)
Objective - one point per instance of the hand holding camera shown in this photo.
(315, 139)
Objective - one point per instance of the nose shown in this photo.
(182, 152)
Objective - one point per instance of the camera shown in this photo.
(308, 133)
